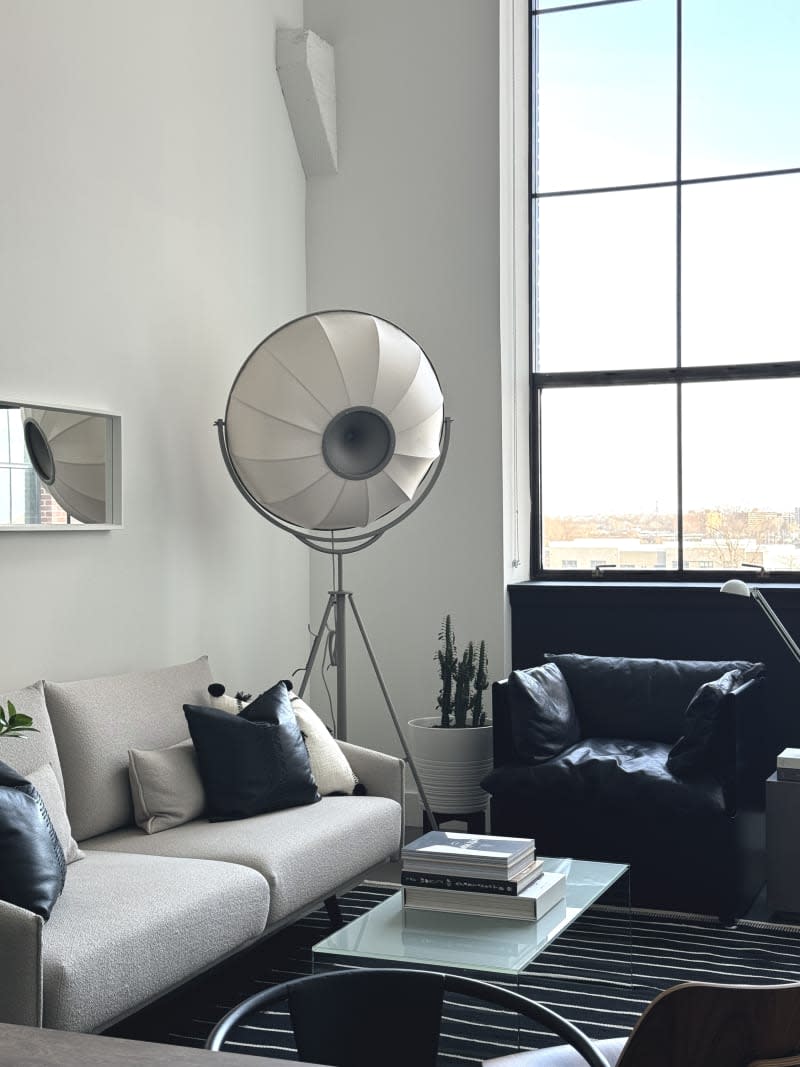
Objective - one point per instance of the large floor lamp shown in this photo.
(335, 423)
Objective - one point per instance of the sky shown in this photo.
(607, 262)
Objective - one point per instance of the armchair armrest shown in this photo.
(754, 755)
(502, 742)
(21, 972)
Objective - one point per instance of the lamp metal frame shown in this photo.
(784, 634)
(338, 599)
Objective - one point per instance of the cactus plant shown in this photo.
(448, 663)
(464, 675)
(481, 684)
(456, 697)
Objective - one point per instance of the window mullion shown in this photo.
(678, 263)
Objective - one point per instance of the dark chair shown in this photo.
(699, 1024)
(694, 841)
(391, 1017)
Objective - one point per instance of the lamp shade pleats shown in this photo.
(334, 420)
(68, 451)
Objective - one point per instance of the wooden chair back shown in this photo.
(705, 1024)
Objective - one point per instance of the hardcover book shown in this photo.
(441, 851)
(530, 905)
(789, 758)
(474, 883)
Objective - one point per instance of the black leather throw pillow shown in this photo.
(253, 762)
(32, 864)
(543, 719)
(698, 750)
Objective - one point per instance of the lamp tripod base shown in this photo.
(337, 601)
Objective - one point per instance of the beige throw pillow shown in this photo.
(329, 765)
(46, 783)
(165, 786)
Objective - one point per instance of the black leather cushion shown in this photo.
(700, 750)
(604, 774)
(543, 719)
(642, 699)
(253, 762)
(32, 864)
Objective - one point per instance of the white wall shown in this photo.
(152, 231)
(408, 229)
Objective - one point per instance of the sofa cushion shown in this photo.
(607, 773)
(332, 772)
(27, 753)
(165, 786)
(129, 927)
(305, 853)
(97, 720)
(254, 762)
(543, 719)
(641, 699)
(46, 784)
(32, 864)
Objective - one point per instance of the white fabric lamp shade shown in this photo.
(68, 451)
(334, 420)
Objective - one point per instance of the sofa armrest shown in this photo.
(21, 972)
(381, 774)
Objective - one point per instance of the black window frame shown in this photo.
(677, 375)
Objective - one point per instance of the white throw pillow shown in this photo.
(329, 765)
(166, 787)
(46, 783)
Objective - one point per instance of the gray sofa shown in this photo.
(142, 913)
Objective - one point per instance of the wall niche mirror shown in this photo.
(59, 468)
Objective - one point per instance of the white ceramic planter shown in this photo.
(451, 763)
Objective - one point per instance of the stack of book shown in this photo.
(788, 765)
(494, 877)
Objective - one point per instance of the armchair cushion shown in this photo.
(700, 749)
(640, 699)
(607, 773)
(543, 719)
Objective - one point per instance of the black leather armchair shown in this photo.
(695, 840)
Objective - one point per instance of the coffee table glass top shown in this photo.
(442, 939)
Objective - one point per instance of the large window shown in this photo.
(665, 173)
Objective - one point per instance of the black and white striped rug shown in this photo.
(600, 974)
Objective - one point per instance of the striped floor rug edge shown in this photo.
(600, 973)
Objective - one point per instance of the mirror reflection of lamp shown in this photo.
(67, 449)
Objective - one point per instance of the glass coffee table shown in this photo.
(390, 935)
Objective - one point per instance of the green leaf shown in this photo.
(15, 723)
